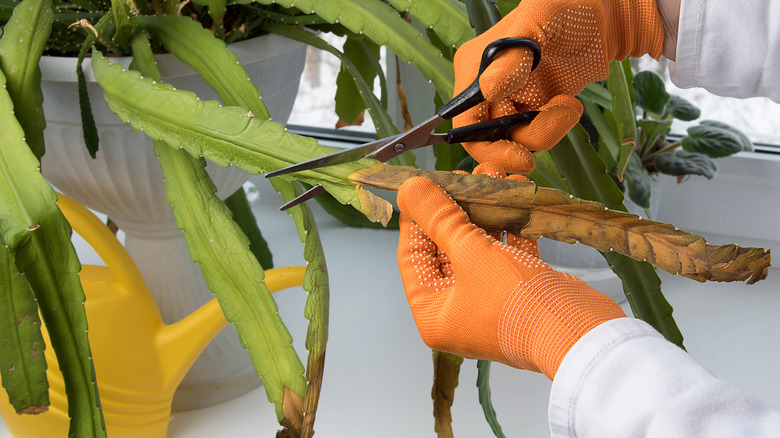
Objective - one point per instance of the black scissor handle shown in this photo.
(472, 95)
(491, 130)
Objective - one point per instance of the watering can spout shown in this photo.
(180, 344)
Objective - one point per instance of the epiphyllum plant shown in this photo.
(187, 131)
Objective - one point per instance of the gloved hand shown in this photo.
(578, 39)
(474, 296)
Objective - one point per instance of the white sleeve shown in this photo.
(623, 379)
(729, 48)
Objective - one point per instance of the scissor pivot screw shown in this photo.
(398, 147)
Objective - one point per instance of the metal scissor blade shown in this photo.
(309, 194)
(338, 157)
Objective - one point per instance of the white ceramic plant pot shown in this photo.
(586, 263)
(125, 182)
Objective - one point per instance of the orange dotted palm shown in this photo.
(474, 296)
(578, 39)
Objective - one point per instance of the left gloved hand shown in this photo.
(474, 296)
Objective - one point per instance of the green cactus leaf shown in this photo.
(38, 237)
(243, 216)
(446, 18)
(238, 282)
(483, 385)
(506, 6)
(24, 38)
(598, 94)
(483, 14)
(383, 25)
(623, 114)
(349, 100)
(225, 135)
(22, 363)
(208, 56)
(605, 125)
(317, 308)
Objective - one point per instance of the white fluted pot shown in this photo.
(125, 182)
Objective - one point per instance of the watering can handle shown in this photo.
(122, 266)
(103, 241)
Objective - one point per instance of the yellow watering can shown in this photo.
(139, 361)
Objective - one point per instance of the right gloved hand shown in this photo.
(578, 39)
(474, 296)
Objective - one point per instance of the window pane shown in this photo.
(757, 117)
(315, 104)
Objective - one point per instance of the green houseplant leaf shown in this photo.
(682, 109)
(243, 297)
(651, 131)
(296, 410)
(747, 145)
(639, 184)
(681, 163)
(650, 91)
(712, 140)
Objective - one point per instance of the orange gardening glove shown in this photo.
(578, 39)
(474, 296)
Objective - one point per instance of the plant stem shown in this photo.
(668, 148)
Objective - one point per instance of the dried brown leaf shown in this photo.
(34, 410)
(665, 246)
(292, 409)
(357, 122)
(375, 208)
(525, 209)
(446, 368)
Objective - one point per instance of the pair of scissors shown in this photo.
(422, 134)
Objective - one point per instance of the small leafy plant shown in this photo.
(654, 153)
